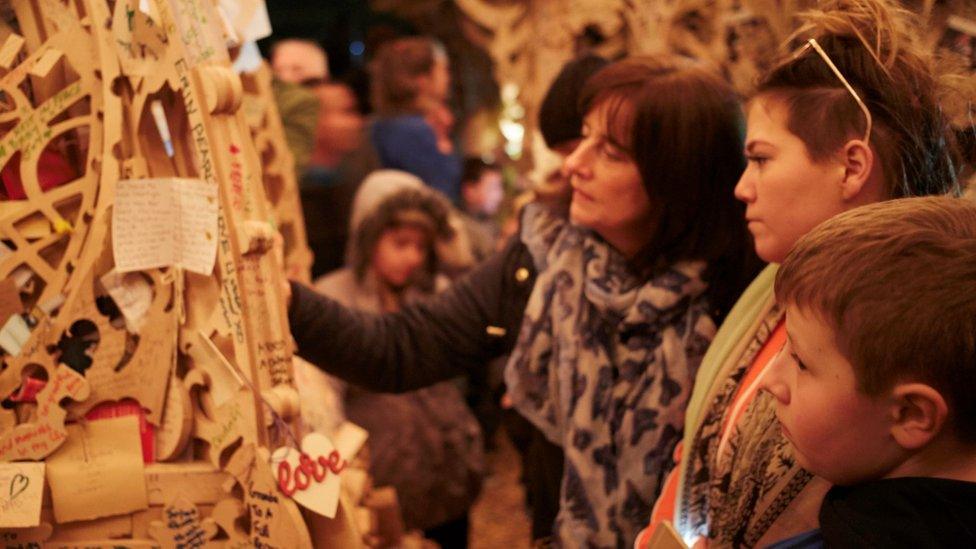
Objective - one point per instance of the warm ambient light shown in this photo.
(510, 121)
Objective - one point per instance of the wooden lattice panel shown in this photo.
(530, 41)
(280, 179)
(84, 84)
(52, 109)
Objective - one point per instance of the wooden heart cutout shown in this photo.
(310, 477)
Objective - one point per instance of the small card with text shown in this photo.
(21, 487)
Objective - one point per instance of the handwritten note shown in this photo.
(133, 295)
(182, 526)
(33, 131)
(197, 28)
(98, 472)
(249, 18)
(14, 334)
(38, 439)
(165, 222)
(21, 487)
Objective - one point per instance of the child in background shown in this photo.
(874, 389)
(425, 443)
(410, 87)
(482, 192)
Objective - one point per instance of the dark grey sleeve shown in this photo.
(419, 345)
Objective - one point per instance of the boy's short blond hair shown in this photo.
(897, 282)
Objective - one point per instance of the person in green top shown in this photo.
(297, 63)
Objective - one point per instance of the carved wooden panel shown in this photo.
(278, 170)
(530, 41)
(93, 92)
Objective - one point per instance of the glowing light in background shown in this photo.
(510, 121)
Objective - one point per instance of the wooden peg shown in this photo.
(222, 89)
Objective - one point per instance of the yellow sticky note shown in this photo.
(21, 487)
(98, 471)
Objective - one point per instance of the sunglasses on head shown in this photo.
(812, 44)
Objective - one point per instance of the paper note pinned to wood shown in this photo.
(165, 222)
(99, 471)
(249, 18)
(14, 335)
(21, 487)
(133, 295)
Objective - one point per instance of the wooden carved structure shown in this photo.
(530, 41)
(83, 85)
(280, 179)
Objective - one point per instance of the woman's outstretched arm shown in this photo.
(451, 333)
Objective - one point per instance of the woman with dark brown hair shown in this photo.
(607, 313)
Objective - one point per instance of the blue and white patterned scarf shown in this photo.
(604, 366)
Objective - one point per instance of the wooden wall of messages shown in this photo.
(146, 358)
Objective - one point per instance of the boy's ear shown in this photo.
(858, 160)
(919, 414)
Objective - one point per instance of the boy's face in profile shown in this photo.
(485, 196)
(838, 433)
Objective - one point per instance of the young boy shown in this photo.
(875, 387)
(482, 192)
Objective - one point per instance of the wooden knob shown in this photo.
(222, 89)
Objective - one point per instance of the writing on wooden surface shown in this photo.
(38, 439)
(275, 358)
(196, 30)
(32, 130)
(188, 532)
(183, 527)
(230, 293)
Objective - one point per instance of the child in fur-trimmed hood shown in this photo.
(425, 443)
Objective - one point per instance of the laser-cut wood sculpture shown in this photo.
(93, 92)
(280, 179)
(530, 41)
